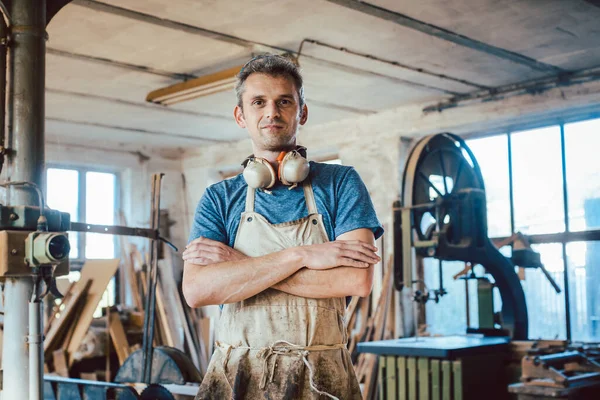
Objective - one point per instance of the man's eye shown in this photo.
(257, 103)
(285, 102)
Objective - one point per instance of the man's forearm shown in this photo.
(233, 281)
(334, 282)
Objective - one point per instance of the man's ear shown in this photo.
(304, 115)
(238, 114)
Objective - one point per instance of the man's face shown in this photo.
(271, 112)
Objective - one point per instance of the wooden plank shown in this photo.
(446, 380)
(370, 368)
(423, 368)
(119, 339)
(350, 312)
(411, 366)
(381, 378)
(56, 308)
(99, 272)
(163, 321)
(60, 326)
(435, 380)
(89, 376)
(391, 377)
(457, 379)
(59, 359)
(402, 378)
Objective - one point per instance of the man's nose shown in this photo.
(272, 110)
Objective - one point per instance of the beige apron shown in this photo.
(275, 345)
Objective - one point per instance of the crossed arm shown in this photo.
(214, 273)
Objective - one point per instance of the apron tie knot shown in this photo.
(266, 353)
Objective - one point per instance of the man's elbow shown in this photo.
(365, 283)
(193, 297)
(190, 296)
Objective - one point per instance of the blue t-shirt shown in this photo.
(340, 195)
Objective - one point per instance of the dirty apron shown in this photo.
(275, 345)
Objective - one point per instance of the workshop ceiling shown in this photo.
(105, 57)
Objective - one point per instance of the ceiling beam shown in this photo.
(445, 34)
(163, 22)
(114, 63)
(130, 129)
(533, 86)
(340, 107)
(145, 106)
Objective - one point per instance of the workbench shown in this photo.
(441, 368)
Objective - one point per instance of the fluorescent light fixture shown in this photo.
(202, 86)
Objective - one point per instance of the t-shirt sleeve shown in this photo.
(209, 221)
(354, 207)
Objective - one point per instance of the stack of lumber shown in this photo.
(74, 338)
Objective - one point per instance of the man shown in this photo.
(280, 247)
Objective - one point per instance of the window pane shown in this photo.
(584, 298)
(491, 154)
(63, 195)
(449, 316)
(582, 141)
(537, 181)
(99, 209)
(545, 307)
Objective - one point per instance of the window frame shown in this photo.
(567, 236)
(77, 263)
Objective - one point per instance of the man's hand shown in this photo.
(348, 253)
(203, 251)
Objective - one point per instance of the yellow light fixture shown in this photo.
(194, 88)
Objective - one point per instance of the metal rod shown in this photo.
(36, 353)
(152, 280)
(15, 352)
(560, 237)
(511, 191)
(443, 171)
(3, 84)
(563, 157)
(458, 171)
(533, 86)
(444, 34)
(395, 64)
(422, 176)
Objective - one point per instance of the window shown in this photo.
(537, 181)
(88, 196)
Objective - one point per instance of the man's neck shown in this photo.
(271, 155)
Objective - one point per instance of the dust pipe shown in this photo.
(22, 361)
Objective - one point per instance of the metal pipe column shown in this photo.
(25, 163)
(36, 350)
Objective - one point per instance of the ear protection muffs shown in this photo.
(293, 168)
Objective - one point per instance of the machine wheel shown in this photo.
(156, 392)
(439, 168)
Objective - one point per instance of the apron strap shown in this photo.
(309, 196)
(250, 199)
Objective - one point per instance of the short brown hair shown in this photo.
(273, 65)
